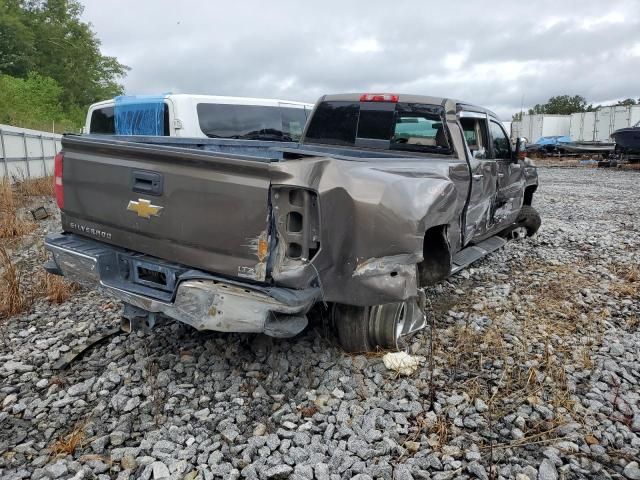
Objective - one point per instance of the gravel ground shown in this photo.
(535, 375)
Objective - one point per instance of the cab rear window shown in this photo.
(391, 126)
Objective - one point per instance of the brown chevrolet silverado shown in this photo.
(384, 194)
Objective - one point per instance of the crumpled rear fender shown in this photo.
(373, 222)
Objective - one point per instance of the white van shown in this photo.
(199, 116)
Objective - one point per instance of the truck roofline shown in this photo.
(450, 104)
(266, 102)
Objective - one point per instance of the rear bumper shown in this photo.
(197, 298)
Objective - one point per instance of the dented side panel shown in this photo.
(373, 218)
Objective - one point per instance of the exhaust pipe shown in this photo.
(125, 325)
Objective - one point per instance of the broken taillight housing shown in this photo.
(297, 216)
(57, 180)
(379, 97)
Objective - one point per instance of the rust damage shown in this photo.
(258, 246)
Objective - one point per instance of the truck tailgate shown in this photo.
(204, 210)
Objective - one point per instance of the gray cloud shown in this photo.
(490, 53)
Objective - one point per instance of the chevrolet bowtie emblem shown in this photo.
(144, 208)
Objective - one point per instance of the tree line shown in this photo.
(568, 104)
(51, 66)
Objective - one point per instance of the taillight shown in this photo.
(57, 180)
(297, 216)
(379, 97)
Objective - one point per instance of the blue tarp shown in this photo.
(553, 140)
(139, 115)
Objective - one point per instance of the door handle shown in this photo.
(150, 183)
(478, 176)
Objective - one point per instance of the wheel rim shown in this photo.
(389, 323)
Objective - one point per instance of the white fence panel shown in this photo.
(26, 153)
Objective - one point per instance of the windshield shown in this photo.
(251, 122)
(391, 126)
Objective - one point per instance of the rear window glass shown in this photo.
(334, 123)
(375, 124)
(401, 126)
(252, 122)
(103, 121)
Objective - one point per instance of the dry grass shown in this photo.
(69, 443)
(628, 284)
(56, 289)
(35, 187)
(522, 355)
(17, 295)
(11, 224)
(442, 431)
(309, 411)
(12, 298)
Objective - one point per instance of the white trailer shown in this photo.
(26, 153)
(583, 126)
(610, 119)
(543, 125)
(604, 119)
(596, 126)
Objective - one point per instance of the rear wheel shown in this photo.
(387, 326)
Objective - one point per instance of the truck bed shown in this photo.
(207, 203)
(259, 149)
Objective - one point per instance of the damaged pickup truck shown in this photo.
(385, 194)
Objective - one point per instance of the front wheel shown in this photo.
(387, 326)
(529, 218)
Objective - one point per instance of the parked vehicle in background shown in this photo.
(628, 143)
(199, 116)
(384, 195)
(562, 145)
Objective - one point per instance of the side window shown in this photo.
(501, 145)
(419, 131)
(475, 134)
(103, 121)
(250, 122)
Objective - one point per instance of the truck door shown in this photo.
(480, 208)
(511, 182)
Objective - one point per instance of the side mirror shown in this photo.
(520, 152)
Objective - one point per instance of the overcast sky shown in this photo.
(487, 52)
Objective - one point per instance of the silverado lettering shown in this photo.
(92, 231)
